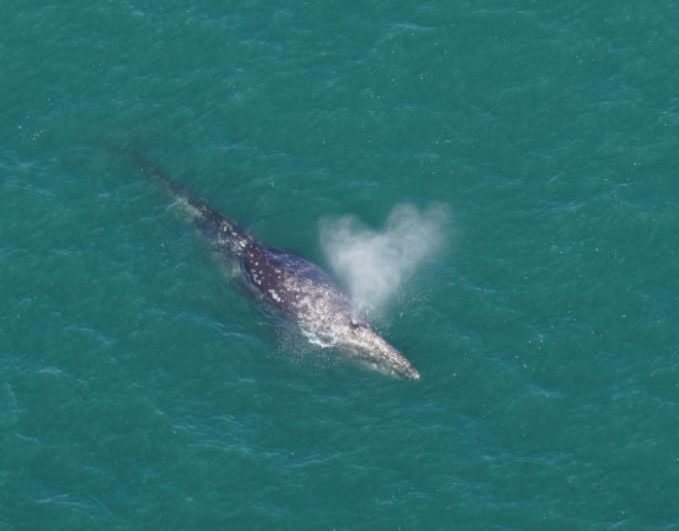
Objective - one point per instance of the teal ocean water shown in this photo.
(140, 390)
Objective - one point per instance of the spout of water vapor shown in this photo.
(374, 264)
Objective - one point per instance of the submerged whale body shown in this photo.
(296, 287)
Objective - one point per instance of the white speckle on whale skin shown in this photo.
(274, 295)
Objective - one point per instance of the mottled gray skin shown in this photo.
(299, 289)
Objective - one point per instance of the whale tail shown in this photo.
(152, 170)
(222, 231)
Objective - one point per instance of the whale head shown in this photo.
(363, 343)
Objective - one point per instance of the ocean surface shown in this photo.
(139, 389)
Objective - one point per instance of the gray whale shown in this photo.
(296, 287)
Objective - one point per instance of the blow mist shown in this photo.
(374, 264)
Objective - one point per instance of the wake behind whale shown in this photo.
(296, 287)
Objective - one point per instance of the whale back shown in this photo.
(291, 283)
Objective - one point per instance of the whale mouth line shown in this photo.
(362, 356)
(397, 369)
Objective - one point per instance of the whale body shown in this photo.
(296, 287)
